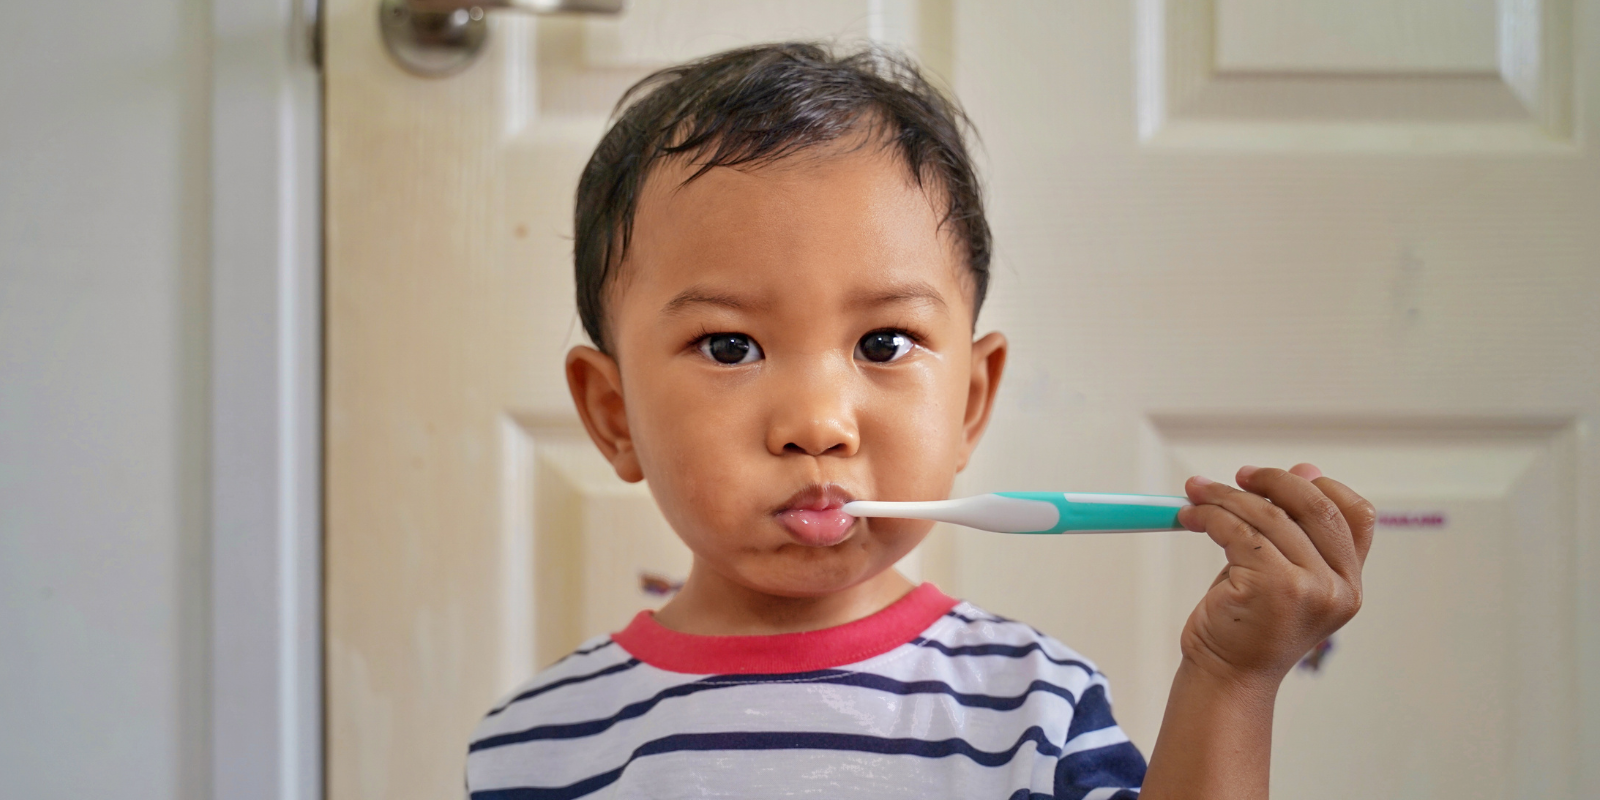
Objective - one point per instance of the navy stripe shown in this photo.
(887, 685)
(1118, 764)
(970, 620)
(1007, 650)
(996, 618)
(553, 685)
(995, 702)
(864, 680)
(601, 646)
(781, 740)
(1093, 713)
(1028, 794)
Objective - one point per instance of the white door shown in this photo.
(1358, 233)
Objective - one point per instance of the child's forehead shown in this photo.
(845, 212)
(850, 175)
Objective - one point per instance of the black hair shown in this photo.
(754, 106)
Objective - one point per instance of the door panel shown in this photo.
(1383, 269)
(1227, 232)
(1380, 36)
(1419, 76)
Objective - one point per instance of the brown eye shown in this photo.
(881, 347)
(730, 348)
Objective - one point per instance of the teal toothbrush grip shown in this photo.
(1141, 515)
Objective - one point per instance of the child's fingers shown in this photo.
(1307, 471)
(1241, 542)
(1358, 513)
(1314, 512)
(1271, 521)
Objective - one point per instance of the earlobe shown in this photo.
(988, 363)
(596, 385)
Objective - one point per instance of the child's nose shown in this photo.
(814, 419)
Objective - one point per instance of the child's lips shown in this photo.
(814, 518)
(817, 528)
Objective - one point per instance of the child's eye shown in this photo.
(730, 348)
(881, 347)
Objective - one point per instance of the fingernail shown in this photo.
(1246, 471)
(1201, 480)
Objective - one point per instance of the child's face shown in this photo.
(789, 338)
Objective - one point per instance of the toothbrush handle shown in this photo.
(1094, 513)
(1039, 512)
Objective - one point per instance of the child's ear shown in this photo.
(988, 362)
(596, 385)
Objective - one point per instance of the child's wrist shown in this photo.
(1214, 677)
(1216, 735)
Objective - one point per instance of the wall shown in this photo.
(104, 250)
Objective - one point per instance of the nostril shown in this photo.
(834, 450)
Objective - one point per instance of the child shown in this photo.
(781, 254)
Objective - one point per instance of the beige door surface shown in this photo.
(1365, 234)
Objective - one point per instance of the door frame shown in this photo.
(265, 630)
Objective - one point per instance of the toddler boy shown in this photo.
(781, 253)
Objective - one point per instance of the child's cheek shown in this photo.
(898, 536)
(690, 452)
(913, 438)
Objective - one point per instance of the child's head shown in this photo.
(780, 256)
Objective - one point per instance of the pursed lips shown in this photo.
(813, 516)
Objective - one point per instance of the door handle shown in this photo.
(435, 38)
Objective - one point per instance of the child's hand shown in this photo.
(1295, 543)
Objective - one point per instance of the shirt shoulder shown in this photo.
(596, 667)
(582, 695)
(1094, 756)
(1001, 644)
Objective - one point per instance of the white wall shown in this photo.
(104, 251)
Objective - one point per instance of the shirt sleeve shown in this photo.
(1097, 760)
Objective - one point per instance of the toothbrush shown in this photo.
(1039, 512)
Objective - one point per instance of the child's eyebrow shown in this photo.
(915, 292)
(695, 295)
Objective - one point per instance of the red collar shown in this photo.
(663, 648)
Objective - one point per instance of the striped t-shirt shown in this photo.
(927, 698)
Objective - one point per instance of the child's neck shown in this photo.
(711, 605)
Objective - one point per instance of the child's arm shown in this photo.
(1295, 543)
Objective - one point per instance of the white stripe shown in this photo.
(814, 708)
(1103, 793)
(952, 632)
(1094, 740)
(830, 774)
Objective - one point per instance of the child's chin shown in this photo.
(819, 571)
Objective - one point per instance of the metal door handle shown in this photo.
(434, 38)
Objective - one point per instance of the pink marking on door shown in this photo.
(1412, 519)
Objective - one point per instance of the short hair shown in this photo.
(757, 105)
